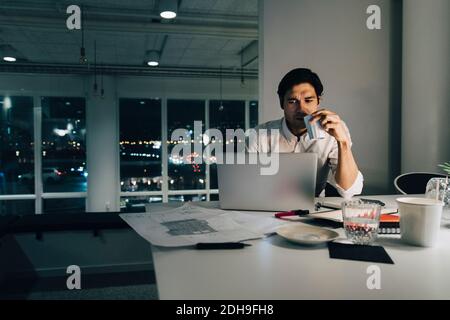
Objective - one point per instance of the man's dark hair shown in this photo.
(297, 76)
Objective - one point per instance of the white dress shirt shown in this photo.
(326, 149)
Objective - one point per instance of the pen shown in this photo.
(292, 213)
(221, 245)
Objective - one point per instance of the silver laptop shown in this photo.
(242, 187)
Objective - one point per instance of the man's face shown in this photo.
(300, 101)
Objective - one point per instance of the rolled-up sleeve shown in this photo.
(355, 189)
(357, 185)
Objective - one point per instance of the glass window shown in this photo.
(253, 114)
(77, 205)
(187, 197)
(225, 115)
(16, 145)
(17, 207)
(140, 144)
(214, 197)
(63, 144)
(181, 114)
(137, 204)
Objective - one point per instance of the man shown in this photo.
(300, 93)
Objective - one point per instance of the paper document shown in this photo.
(336, 215)
(190, 224)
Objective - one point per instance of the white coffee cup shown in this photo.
(420, 220)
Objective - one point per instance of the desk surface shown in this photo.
(273, 268)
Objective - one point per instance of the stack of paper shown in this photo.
(336, 215)
(190, 224)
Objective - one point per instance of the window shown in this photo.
(65, 205)
(214, 197)
(140, 145)
(137, 204)
(181, 114)
(63, 144)
(253, 113)
(187, 197)
(17, 207)
(16, 145)
(225, 115)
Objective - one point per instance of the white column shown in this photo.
(426, 85)
(102, 135)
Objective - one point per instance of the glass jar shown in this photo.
(443, 185)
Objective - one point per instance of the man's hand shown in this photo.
(332, 124)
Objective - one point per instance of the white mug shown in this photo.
(420, 220)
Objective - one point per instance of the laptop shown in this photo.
(243, 187)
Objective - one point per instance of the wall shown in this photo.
(355, 65)
(112, 251)
(426, 92)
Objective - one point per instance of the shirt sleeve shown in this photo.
(357, 186)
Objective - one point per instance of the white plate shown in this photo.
(306, 234)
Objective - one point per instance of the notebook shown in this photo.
(389, 219)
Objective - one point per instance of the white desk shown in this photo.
(275, 269)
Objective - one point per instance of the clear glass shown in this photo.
(140, 145)
(187, 197)
(225, 115)
(253, 114)
(443, 185)
(137, 204)
(181, 114)
(214, 197)
(17, 207)
(64, 144)
(16, 146)
(75, 205)
(361, 221)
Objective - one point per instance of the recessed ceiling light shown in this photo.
(8, 53)
(152, 58)
(168, 8)
(7, 103)
(9, 59)
(168, 14)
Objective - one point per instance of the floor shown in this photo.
(116, 286)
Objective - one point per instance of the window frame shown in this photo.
(165, 192)
(39, 195)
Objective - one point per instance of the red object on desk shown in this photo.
(389, 218)
(291, 213)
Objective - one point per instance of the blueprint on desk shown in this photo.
(190, 224)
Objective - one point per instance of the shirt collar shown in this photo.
(286, 132)
(290, 137)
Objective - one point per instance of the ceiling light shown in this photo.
(168, 9)
(9, 59)
(8, 53)
(152, 58)
(7, 103)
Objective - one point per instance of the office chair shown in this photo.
(414, 182)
